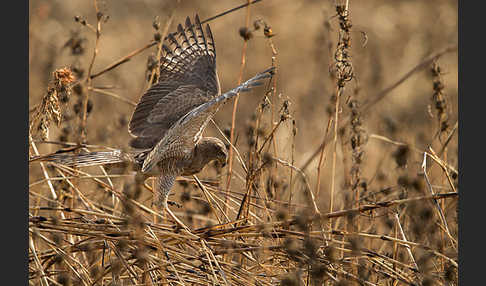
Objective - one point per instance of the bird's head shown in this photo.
(219, 151)
(207, 149)
(214, 149)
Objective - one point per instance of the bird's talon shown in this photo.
(176, 204)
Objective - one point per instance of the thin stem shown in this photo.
(385, 92)
(235, 105)
(90, 69)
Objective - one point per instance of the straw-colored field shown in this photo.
(301, 201)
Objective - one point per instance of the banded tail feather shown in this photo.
(87, 159)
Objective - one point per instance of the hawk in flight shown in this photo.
(169, 119)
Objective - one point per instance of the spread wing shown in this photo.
(187, 79)
(180, 139)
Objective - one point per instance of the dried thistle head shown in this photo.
(156, 23)
(256, 24)
(76, 43)
(285, 111)
(267, 31)
(401, 156)
(63, 77)
(58, 91)
(245, 33)
(439, 98)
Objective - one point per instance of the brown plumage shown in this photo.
(169, 119)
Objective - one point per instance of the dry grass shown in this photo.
(371, 200)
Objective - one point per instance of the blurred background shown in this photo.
(389, 38)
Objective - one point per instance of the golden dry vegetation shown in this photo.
(371, 201)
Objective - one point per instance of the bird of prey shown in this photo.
(169, 119)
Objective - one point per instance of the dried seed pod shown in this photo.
(267, 31)
(245, 33)
(157, 37)
(256, 24)
(156, 23)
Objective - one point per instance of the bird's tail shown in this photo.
(86, 159)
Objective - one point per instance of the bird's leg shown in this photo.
(161, 190)
(153, 202)
(172, 215)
